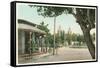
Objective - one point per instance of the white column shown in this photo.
(23, 41)
(30, 42)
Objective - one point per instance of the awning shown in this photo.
(30, 28)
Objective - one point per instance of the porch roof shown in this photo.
(30, 28)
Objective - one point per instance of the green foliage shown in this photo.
(74, 37)
(49, 38)
(62, 36)
(50, 11)
(69, 36)
(43, 27)
(85, 17)
(82, 15)
(80, 39)
(33, 48)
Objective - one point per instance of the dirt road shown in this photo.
(67, 54)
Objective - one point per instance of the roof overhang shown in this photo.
(27, 27)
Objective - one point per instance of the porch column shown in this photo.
(30, 49)
(23, 41)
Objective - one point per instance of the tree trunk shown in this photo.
(46, 45)
(88, 40)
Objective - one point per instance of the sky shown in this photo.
(63, 21)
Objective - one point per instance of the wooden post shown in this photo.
(23, 41)
(30, 43)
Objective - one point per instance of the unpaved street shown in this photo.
(67, 54)
(63, 54)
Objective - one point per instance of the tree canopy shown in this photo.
(50, 11)
(84, 15)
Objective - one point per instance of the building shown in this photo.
(29, 37)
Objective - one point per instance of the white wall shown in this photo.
(5, 34)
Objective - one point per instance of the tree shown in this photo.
(60, 37)
(74, 37)
(80, 39)
(69, 36)
(84, 17)
(43, 27)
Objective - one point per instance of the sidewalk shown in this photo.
(30, 59)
